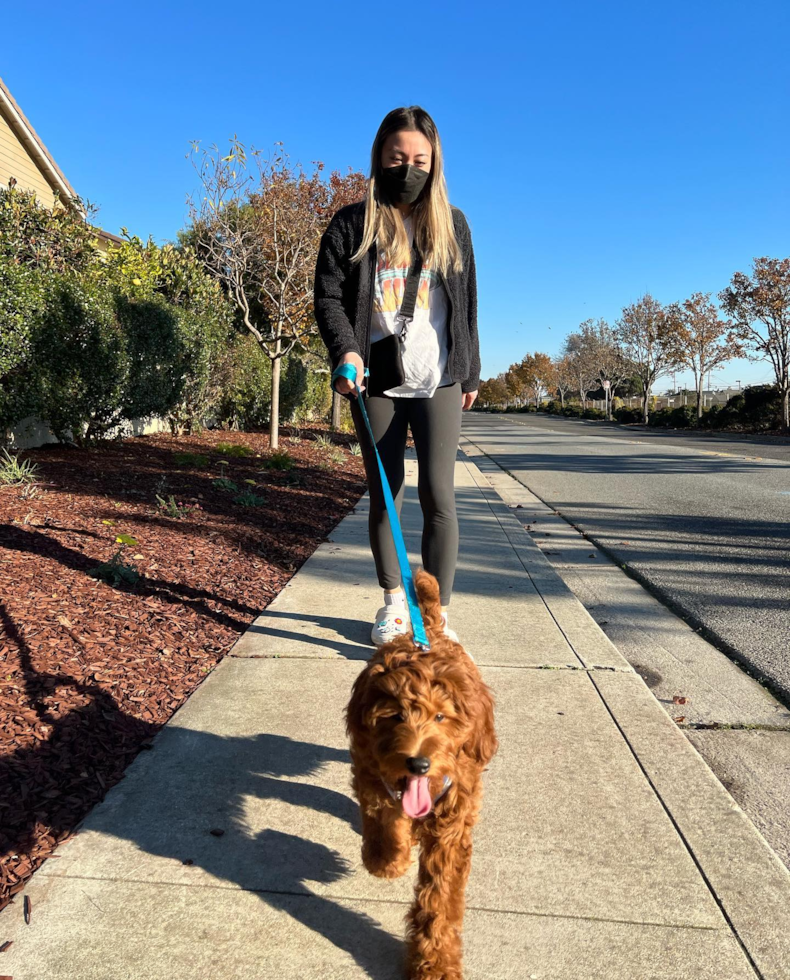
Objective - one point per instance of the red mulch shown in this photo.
(88, 672)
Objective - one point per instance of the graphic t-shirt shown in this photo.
(425, 347)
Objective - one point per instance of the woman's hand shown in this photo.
(343, 385)
(468, 400)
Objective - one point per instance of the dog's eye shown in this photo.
(440, 717)
(397, 717)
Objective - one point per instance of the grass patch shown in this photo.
(222, 484)
(190, 459)
(234, 449)
(249, 499)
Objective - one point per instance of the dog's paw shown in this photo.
(435, 971)
(430, 958)
(385, 865)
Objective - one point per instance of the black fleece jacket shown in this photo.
(344, 296)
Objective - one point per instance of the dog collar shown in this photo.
(397, 794)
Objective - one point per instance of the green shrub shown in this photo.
(280, 459)
(628, 416)
(235, 449)
(224, 484)
(56, 239)
(157, 357)
(593, 413)
(174, 276)
(87, 344)
(249, 499)
(712, 419)
(683, 417)
(762, 407)
(572, 412)
(660, 419)
(190, 459)
(20, 300)
(305, 394)
(245, 380)
(78, 367)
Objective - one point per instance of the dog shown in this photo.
(421, 730)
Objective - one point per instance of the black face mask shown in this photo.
(403, 184)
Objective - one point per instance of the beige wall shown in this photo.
(15, 161)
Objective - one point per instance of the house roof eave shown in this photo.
(34, 145)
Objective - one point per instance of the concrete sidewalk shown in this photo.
(606, 848)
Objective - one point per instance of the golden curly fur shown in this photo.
(410, 707)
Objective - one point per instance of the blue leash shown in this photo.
(417, 626)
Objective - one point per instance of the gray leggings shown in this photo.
(436, 426)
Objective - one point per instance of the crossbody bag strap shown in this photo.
(406, 311)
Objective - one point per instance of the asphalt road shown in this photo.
(704, 523)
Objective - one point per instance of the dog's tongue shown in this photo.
(416, 800)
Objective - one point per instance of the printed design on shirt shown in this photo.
(391, 285)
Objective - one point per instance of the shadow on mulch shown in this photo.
(49, 785)
(89, 673)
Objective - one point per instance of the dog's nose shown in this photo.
(418, 765)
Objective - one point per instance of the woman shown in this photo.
(363, 264)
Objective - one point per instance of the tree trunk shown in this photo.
(699, 397)
(645, 399)
(786, 406)
(337, 402)
(274, 422)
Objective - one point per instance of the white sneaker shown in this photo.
(450, 634)
(392, 620)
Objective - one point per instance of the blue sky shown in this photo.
(599, 150)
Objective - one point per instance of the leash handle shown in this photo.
(349, 372)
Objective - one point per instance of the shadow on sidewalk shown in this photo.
(201, 783)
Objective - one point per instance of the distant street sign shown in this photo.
(607, 385)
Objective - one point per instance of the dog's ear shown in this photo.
(483, 741)
(363, 698)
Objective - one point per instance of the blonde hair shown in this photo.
(434, 232)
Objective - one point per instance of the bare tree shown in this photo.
(701, 340)
(760, 308)
(607, 364)
(576, 353)
(258, 225)
(645, 335)
(344, 189)
(564, 377)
